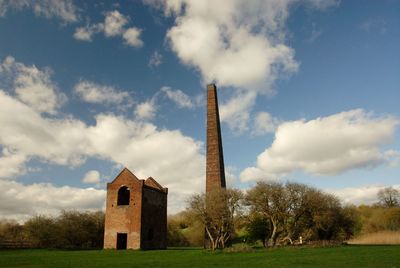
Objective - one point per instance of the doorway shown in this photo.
(122, 240)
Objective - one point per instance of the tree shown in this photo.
(175, 226)
(269, 200)
(81, 229)
(43, 232)
(389, 197)
(295, 210)
(257, 228)
(216, 211)
(71, 229)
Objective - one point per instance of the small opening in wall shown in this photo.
(122, 240)
(123, 196)
(150, 234)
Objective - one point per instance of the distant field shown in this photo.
(345, 256)
(379, 238)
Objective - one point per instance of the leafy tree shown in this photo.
(270, 201)
(295, 210)
(258, 228)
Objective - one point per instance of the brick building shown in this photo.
(136, 213)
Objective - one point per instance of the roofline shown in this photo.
(125, 168)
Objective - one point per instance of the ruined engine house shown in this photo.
(136, 213)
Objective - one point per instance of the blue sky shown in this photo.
(308, 92)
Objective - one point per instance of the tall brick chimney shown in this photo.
(215, 171)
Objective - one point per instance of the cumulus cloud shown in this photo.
(20, 202)
(91, 177)
(178, 96)
(264, 123)
(31, 85)
(95, 93)
(325, 146)
(12, 164)
(146, 110)
(366, 195)
(236, 111)
(62, 9)
(155, 59)
(114, 25)
(85, 33)
(136, 144)
(132, 37)
(235, 43)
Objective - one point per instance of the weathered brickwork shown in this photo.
(215, 171)
(144, 220)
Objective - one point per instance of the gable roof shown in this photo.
(154, 184)
(125, 171)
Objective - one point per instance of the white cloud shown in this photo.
(264, 123)
(132, 37)
(20, 202)
(236, 112)
(155, 59)
(366, 195)
(91, 177)
(231, 178)
(83, 34)
(86, 32)
(113, 25)
(181, 99)
(32, 86)
(235, 43)
(11, 164)
(393, 157)
(63, 9)
(95, 93)
(146, 110)
(136, 144)
(325, 146)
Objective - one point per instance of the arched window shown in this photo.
(123, 196)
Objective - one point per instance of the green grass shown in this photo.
(346, 256)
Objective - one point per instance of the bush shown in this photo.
(72, 230)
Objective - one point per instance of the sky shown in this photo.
(308, 92)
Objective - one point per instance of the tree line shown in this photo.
(279, 214)
(69, 230)
(268, 214)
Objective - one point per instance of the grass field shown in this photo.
(345, 256)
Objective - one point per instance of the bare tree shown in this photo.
(216, 211)
(389, 197)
